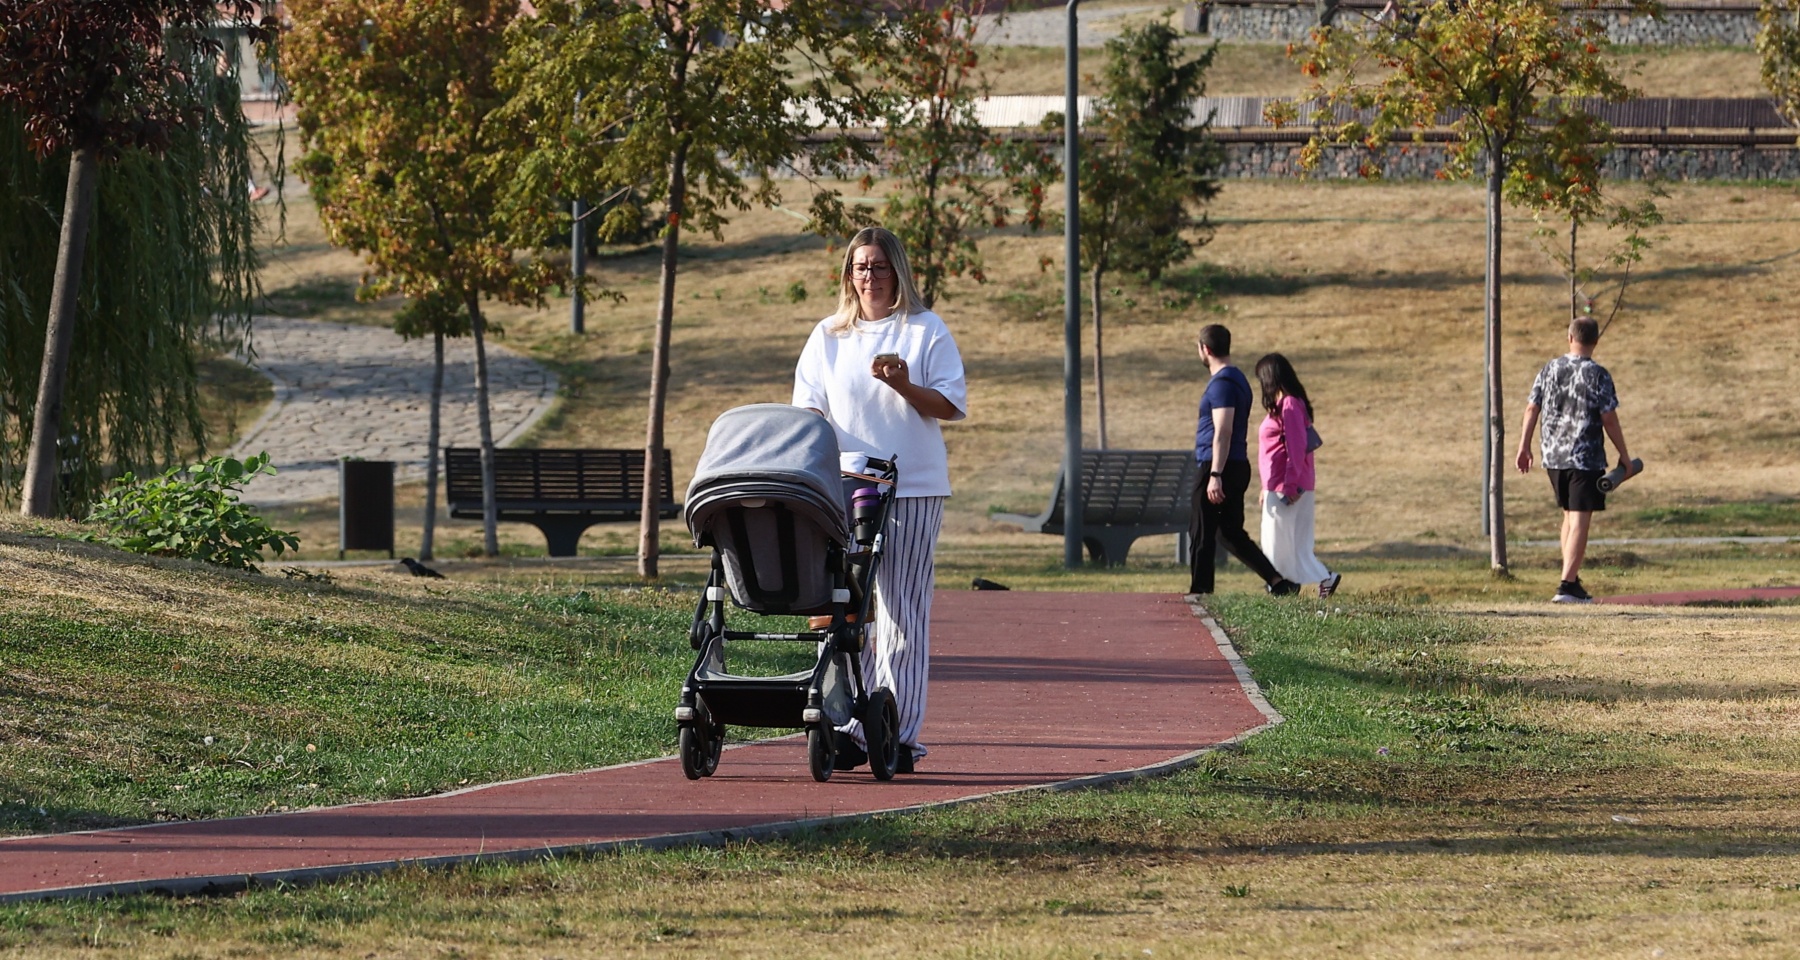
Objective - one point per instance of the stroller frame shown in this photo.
(819, 700)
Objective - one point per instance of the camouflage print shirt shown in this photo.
(1573, 392)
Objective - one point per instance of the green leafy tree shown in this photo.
(192, 512)
(689, 105)
(1778, 41)
(952, 176)
(1502, 75)
(1147, 167)
(395, 99)
(137, 89)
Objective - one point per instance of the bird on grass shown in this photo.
(420, 570)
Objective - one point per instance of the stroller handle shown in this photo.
(868, 477)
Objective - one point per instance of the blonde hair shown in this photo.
(906, 295)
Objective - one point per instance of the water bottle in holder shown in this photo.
(865, 511)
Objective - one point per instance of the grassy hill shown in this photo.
(1373, 290)
(135, 689)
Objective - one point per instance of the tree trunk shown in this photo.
(78, 209)
(649, 523)
(1496, 432)
(1574, 295)
(490, 516)
(431, 457)
(1099, 367)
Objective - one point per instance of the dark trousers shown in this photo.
(1211, 522)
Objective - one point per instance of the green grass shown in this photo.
(1384, 715)
(1423, 749)
(1741, 519)
(112, 719)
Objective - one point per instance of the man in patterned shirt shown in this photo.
(1575, 398)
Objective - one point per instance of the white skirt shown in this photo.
(1287, 538)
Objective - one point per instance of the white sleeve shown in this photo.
(944, 372)
(810, 374)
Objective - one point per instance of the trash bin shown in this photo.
(365, 506)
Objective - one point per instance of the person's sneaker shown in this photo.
(1329, 585)
(1570, 591)
(1283, 588)
(903, 761)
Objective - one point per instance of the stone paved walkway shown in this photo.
(353, 391)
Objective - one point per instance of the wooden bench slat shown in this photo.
(561, 491)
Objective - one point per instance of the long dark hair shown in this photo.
(1275, 373)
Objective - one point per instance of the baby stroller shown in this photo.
(769, 498)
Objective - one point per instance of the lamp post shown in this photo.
(1071, 303)
(577, 266)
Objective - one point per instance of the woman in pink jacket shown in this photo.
(1287, 476)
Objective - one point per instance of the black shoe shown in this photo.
(1283, 588)
(849, 755)
(903, 761)
(1570, 591)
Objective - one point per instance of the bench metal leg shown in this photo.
(1109, 546)
(562, 535)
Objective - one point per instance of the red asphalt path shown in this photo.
(1685, 597)
(1027, 690)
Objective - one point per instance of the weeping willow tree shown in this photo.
(169, 263)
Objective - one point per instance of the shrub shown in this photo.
(192, 512)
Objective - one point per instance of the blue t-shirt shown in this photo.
(1227, 388)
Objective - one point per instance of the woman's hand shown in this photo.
(927, 401)
(891, 372)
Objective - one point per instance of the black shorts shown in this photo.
(1578, 490)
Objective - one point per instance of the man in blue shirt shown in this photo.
(1221, 450)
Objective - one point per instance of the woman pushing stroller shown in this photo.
(884, 371)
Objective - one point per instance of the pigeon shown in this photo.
(981, 583)
(420, 570)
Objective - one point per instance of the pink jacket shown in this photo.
(1287, 466)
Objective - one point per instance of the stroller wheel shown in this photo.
(881, 725)
(820, 751)
(699, 752)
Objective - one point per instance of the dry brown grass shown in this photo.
(1701, 676)
(1373, 290)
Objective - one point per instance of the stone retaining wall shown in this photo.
(1246, 158)
(1260, 161)
(1288, 22)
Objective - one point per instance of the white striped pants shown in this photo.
(900, 658)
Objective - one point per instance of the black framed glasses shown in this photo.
(876, 270)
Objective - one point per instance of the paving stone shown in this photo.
(352, 391)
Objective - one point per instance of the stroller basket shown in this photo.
(770, 500)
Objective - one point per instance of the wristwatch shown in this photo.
(1219, 473)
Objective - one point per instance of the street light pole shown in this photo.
(1072, 302)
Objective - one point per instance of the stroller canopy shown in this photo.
(773, 451)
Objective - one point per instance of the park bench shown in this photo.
(1125, 494)
(561, 492)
